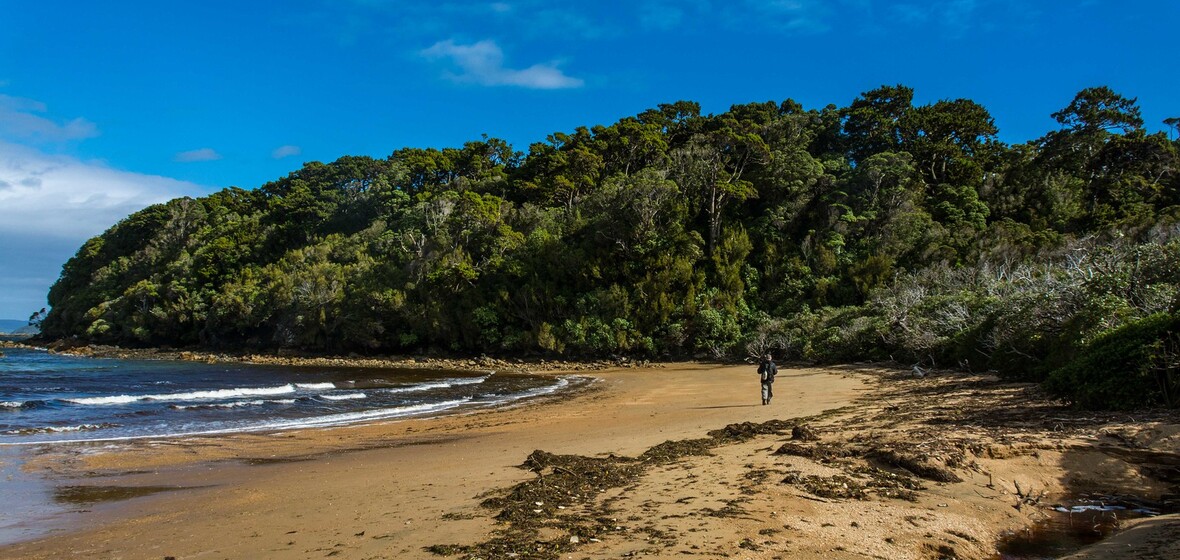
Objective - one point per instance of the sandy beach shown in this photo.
(850, 462)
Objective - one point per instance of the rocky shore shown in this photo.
(299, 359)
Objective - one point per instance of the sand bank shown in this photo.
(943, 466)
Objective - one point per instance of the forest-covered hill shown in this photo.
(879, 230)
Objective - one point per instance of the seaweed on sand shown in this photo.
(822, 452)
(748, 430)
(564, 498)
(832, 487)
(858, 483)
(670, 451)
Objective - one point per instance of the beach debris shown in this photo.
(1027, 497)
(748, 430)
(804, 432)
(821, 452)
(833, 487)
(580, 482)
(916, 441)
(921, 467)
(669, 451)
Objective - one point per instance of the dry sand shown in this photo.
(938, 467)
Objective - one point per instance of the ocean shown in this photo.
(50, 398)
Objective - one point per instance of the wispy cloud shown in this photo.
(203, 154)
(483, 63)
(22, 120)
(286, 151)
(796, 16)
(952, 18)
(62, 197)
(50, 205)
(356, 21)
(541, 19)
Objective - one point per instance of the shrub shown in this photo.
(1129, 367)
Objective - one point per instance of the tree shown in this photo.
(37, 318)
(563, 170)
(872, 123)
(1100, 109)
(710, 169)
(1174, 124)
(948, 139)
(631, 145)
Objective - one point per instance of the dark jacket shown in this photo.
(767, 370)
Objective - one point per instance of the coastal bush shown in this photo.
(1133, 366)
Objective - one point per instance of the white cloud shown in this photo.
(286, 151)
(19, 120)
(60, 197)
(483, 63)
(203, 154)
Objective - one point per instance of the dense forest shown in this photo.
(877, 231)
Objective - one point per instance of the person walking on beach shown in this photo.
(766, 372)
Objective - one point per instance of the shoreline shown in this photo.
(302, 359)
(394, 489)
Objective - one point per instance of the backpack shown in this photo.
(767, 371)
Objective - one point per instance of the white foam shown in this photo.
(234, 404)
(79, 428)
(292, 424)
(353, 417)
(417, 388)
(557, 386)
(60, 429)
(345, 397)
(11, 404)
(454, 382)
(469, 380)
(191, 396)
(316, 386)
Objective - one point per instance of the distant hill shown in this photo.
(16, 326)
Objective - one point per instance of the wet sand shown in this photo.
(393, 490)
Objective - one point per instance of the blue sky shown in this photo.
(106, 107)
